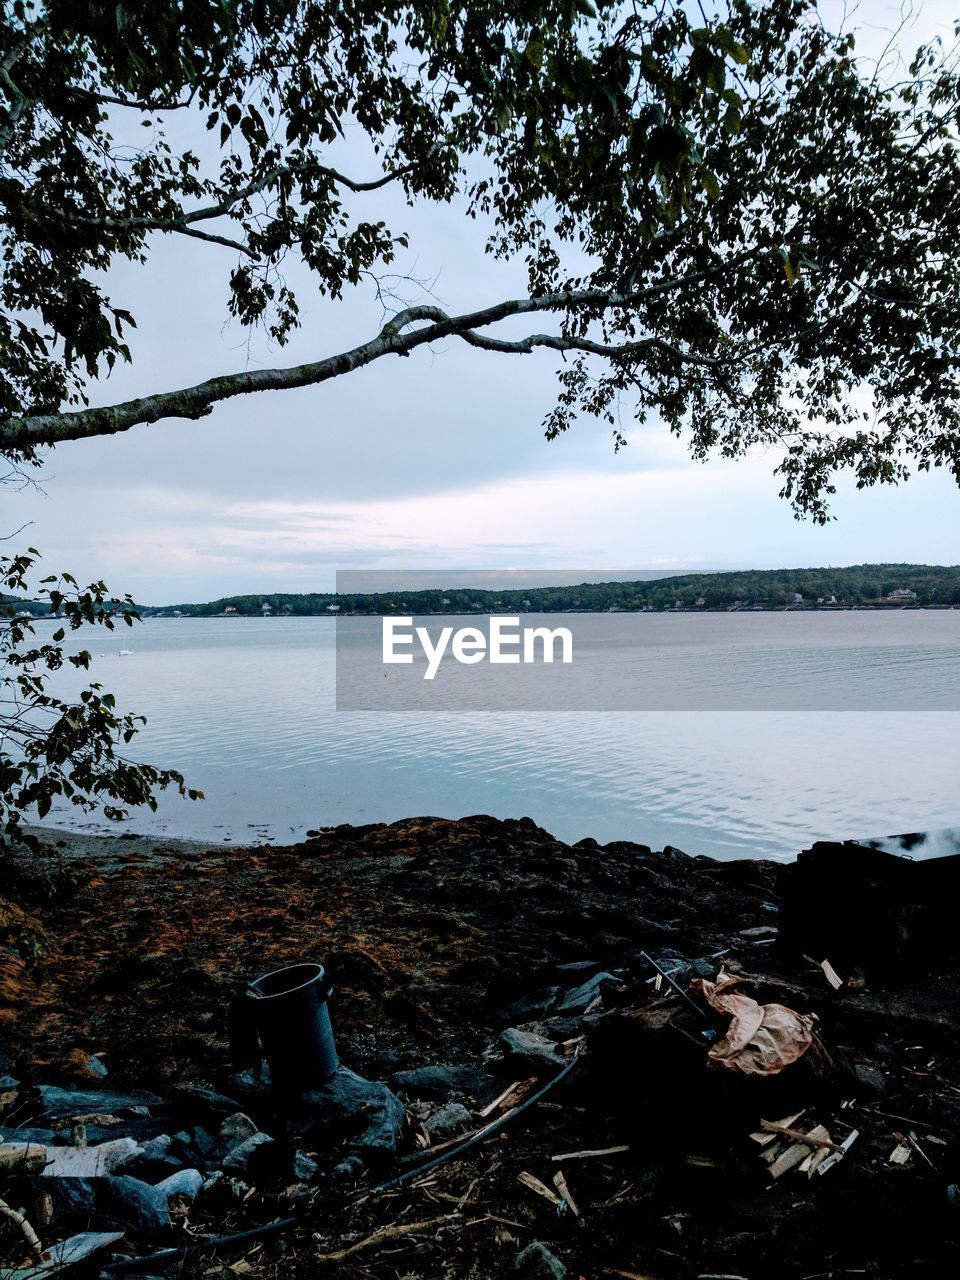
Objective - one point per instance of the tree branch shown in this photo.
(184, 224)
(397, 337)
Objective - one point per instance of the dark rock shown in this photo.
(452, 1119)
(118, 1200)
(156, 1161)
(530, 1047)
(236, 1129)
(531, 1006)
(443, 1082)
(578, 969)
(245, 1157)
(193, 1099)
(579, 998)
(45, 1137)
(870, 1080)
(536, 1262)
(58, 1103)
(862, 907)
(366, 1112)
(304, 1168)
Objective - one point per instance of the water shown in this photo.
(245, 708)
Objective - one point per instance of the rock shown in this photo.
(304, 1168)
(117, 1200)
(536, 1262)
(532, 1006)
(452, 1119)
(236, 1129)
(45, 1137)
(156, 1160)
(185, 1183)
(870, 1080)
(244, 1157)
(579, 998)
(58, 1103)
(79, 1065)
(530, 1047)
(194, 1099)
(366, 1111)
(443, 1082)
(66, 1253)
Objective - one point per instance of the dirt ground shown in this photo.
(431, 929)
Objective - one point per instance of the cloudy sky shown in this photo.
(437, 461)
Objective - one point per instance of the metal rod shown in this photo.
(679, 990)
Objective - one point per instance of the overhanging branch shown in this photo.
(397, 337)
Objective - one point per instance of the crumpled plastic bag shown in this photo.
(762, 1039)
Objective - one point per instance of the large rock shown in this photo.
(451, 1119)
(581, 997)
(536, 1262)
(444, 1082)
(57, 1103)
(368, 1114)
(530, 1049)
(245, 1157)
(108, 1201)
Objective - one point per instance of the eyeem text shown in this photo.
(505, 641)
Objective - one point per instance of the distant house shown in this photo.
(827, 600)
(333, 608)
(797, 597)
(266, 609)
(902, 593)
(699, 602)
(231, 609)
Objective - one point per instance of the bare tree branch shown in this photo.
(397, 337)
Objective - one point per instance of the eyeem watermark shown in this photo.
(504, 642)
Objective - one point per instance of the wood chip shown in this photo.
(831, 975)
(534, 1184)
(789, 1159)
(499, 1101)
(560, 1182)
(835, 1157)
(900, 1154)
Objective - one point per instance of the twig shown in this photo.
(381, 1235)
(590, 1155)
(773, 1126)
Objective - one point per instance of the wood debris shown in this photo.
(590, 1155)
(831, 975)
(381, 1236)
(533, 1183)
(560, 1182)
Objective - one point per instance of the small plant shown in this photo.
(51, 748)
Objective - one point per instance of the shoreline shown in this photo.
(439, 936)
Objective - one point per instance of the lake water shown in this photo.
(246, 709)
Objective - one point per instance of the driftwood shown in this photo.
(19, 1220)
(381, 1237)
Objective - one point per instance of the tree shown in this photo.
(770, 227)
(49, 748)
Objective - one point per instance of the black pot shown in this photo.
(285, 1015)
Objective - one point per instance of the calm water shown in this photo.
(245, 708)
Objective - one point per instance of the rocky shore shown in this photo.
(472, 961)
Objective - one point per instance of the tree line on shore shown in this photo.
(865, 586)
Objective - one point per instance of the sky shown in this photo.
(433, 462)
